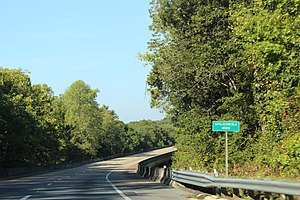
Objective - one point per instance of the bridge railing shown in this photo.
(148, 170)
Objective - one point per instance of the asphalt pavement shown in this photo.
(112, 179)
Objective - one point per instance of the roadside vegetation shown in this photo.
(38, 128)
(229, 60)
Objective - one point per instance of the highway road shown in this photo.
(111, 179)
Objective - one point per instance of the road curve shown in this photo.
(112, 179)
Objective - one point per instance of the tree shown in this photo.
(196, 74)
(16, 124)
(226, 60)
(270, 39)
(147, 134)
(83, 116)
(46, 135)
(113, 133)
(28, 135)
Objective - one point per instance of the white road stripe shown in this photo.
(115, 188)
(49, 184)
(26, 197)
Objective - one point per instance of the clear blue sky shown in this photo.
(97, 41)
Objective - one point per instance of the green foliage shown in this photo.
(27, 130)
(146, 134)
(113, 137)
(287, 156)
(38, 128)
(270, 38)
(226, 60)
(83, 115)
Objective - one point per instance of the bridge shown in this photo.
(110, 179)
(122, 178)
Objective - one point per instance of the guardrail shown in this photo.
(148, 170)
(206, 181)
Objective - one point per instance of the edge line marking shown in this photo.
(116, 188)
(26, 197)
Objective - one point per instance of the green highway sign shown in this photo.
(226, 126)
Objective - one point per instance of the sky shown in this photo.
(97, 41)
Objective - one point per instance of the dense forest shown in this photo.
(38, 128)
(225, 60)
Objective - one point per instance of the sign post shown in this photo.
(226, 126)
(226, 153)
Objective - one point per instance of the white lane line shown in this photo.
(115, 187)
(26, 197)
(49, 184)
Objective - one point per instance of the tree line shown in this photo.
(229, 60)
(38, 128)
